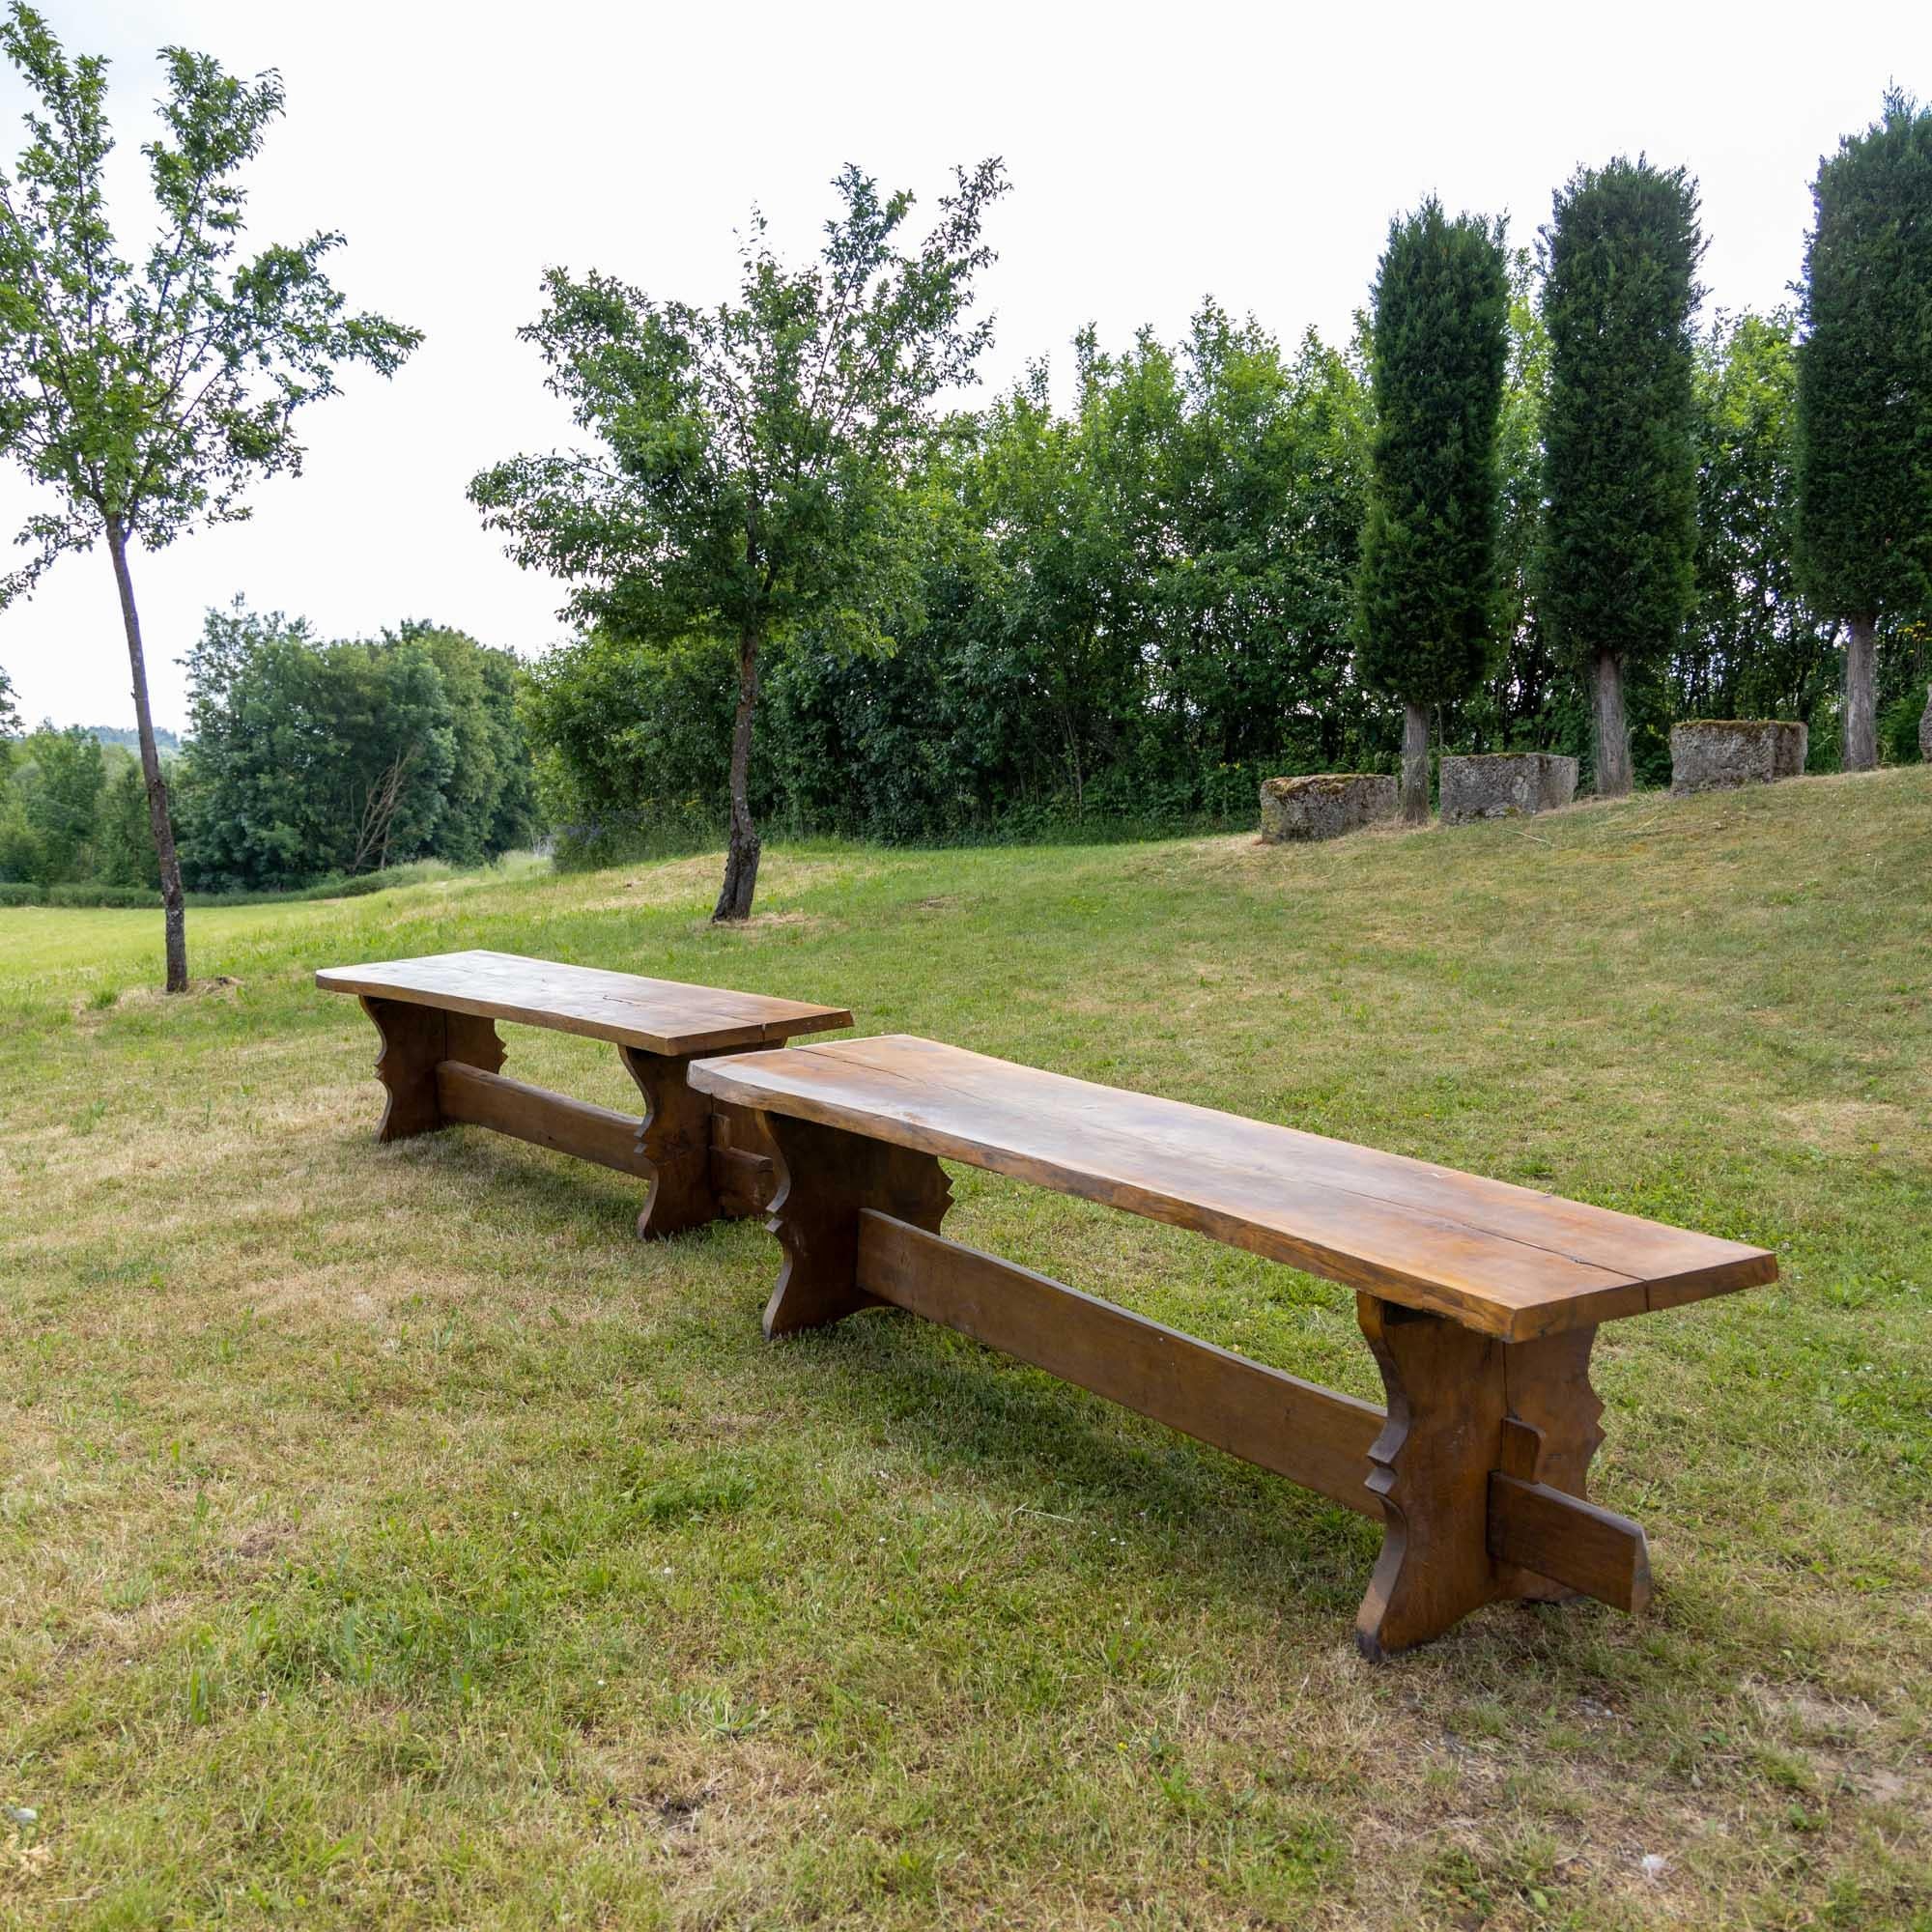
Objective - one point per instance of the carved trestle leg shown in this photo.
(825, 1175)
(415, 1039)
(1462, 1403)
(675, 1136)
(707, 1159)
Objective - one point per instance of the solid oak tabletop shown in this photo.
(662, 1017)
(1506, 1260)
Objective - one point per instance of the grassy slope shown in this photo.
(388, 1539)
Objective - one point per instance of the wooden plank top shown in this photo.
(659, 1016)
(1506, 1260)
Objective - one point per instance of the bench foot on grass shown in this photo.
(674, 1142)
(1432, 1473)
(1487, 1444)
(825, 1178)
(706, 1160)
(703, 1159)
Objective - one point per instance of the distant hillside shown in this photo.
(126, 734)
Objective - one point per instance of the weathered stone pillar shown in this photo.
(1324, 805)
(1506, 784)
(1717, 753)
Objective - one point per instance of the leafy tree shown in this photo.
(1251, 596)
(490, 799)
(1526, 704)
(1429, 583)
(61, 795)
(146, 399)
(10, 710)
(1620, 527)
(1752, 648)
(310, 758)
(125, 849)
(753, 454)
(1065, 501)
(633, 742)
(1865, 396)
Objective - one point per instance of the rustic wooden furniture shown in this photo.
(442, 1063)
(1479, 1299)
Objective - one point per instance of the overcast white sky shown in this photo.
(1157, 155)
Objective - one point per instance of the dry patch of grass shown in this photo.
(1857, 1126)
(693, 881)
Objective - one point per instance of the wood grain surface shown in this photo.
(1508, 1260)
(660, 1015)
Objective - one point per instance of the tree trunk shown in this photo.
(173, 907)
(1414, 764)
(1613, 745)
(741, 855)
(1860, 740)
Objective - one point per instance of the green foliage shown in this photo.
(1527, 703)
(1439, 349)
(20, 892)
(751, 451)
(126, 851)
(308, 758)
(72, 809)
(1899, 728)
(1865, 373)
(51, 808)
(10, 710)
(752, 455)
(147, 398)
(1130, 612)
(89, 893)
(1620, 526)
(633, 739)
(490, 796)
(1753, 649)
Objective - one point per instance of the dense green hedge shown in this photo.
(143, 898)
(87, 894)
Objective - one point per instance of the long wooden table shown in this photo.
(1479, 1299)
(442, 1063)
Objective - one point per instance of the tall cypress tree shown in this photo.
(1865, 396)
(1428, 587)
(1620, 452)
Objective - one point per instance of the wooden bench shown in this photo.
(1479, 1299)
(442, 1063)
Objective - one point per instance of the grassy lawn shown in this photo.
(388, 1539)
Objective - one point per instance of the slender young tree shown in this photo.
(10, 714)
(1865, 396)
(1620, 438)
(146, 399)
(1439, 345)
(753, 453)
